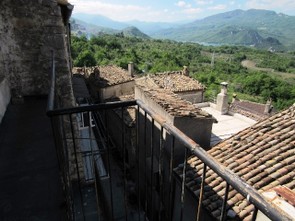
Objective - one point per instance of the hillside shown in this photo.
(134, 32)
(80, 28)
(153, 56)
(259, 28)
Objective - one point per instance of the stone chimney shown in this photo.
(222, 99)
(268, 107)
(131, 69)
(185, 71)
(235, 98)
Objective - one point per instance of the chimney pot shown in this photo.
(131, 69)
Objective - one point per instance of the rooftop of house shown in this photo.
(250, 109)
(113, 75)
(177, 82)
(108, 75)
(263, 155)
(227, 124)
(170, 101)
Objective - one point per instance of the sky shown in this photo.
(173, 10)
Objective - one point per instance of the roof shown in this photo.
(113, 75)
(169, 101)
(177, 82)
(129, 113)
(227, 125)
(109, 75)
(249, 109)
(263, 155)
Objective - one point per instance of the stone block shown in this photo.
(5, 96)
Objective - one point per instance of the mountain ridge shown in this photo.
(220, 28)
(254, 27)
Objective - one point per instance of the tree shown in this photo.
(85, 58)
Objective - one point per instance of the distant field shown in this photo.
(251, 65)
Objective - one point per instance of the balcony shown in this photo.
(117, 170)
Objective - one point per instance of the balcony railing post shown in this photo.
(183, 183)
(171, 167)
(152, 168)
(109, 165)
(199, 211)
(124, 163)
(223, 210)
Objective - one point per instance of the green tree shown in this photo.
(85, 58)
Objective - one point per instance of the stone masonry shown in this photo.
(29, 31)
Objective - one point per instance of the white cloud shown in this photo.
(117, 12)
(192, 11)
(202, 2)
(277, 5)
(218, 7)
(120, 12)
(181, 4)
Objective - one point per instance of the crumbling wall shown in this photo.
(29, 31)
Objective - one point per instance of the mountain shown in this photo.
(100, 20)
(151, 27)
(134, 32)
(259, 28)
(79, 28)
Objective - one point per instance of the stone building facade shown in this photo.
(29, 31)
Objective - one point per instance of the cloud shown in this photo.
(218, 7)
(192, 11)
(202, 2)
(277, 5)
(120, 12)
(181, 4)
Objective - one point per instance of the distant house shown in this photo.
(182, 85)
(112, 82)
(262, 155)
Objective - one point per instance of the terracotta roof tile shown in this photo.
(113, 75)
(169, 101)
(109, 75)
(176, 82)
(261, 155)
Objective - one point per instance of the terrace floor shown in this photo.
(30, 188)
(227, 125)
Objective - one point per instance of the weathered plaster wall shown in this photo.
(117, 90)
(29, 30)
(192, 96)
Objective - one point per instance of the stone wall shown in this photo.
(29, 31)
(4, 96)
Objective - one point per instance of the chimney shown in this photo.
(131, 69)
(235, 97)
(268, 107)
(222, 99)
(185, 71)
